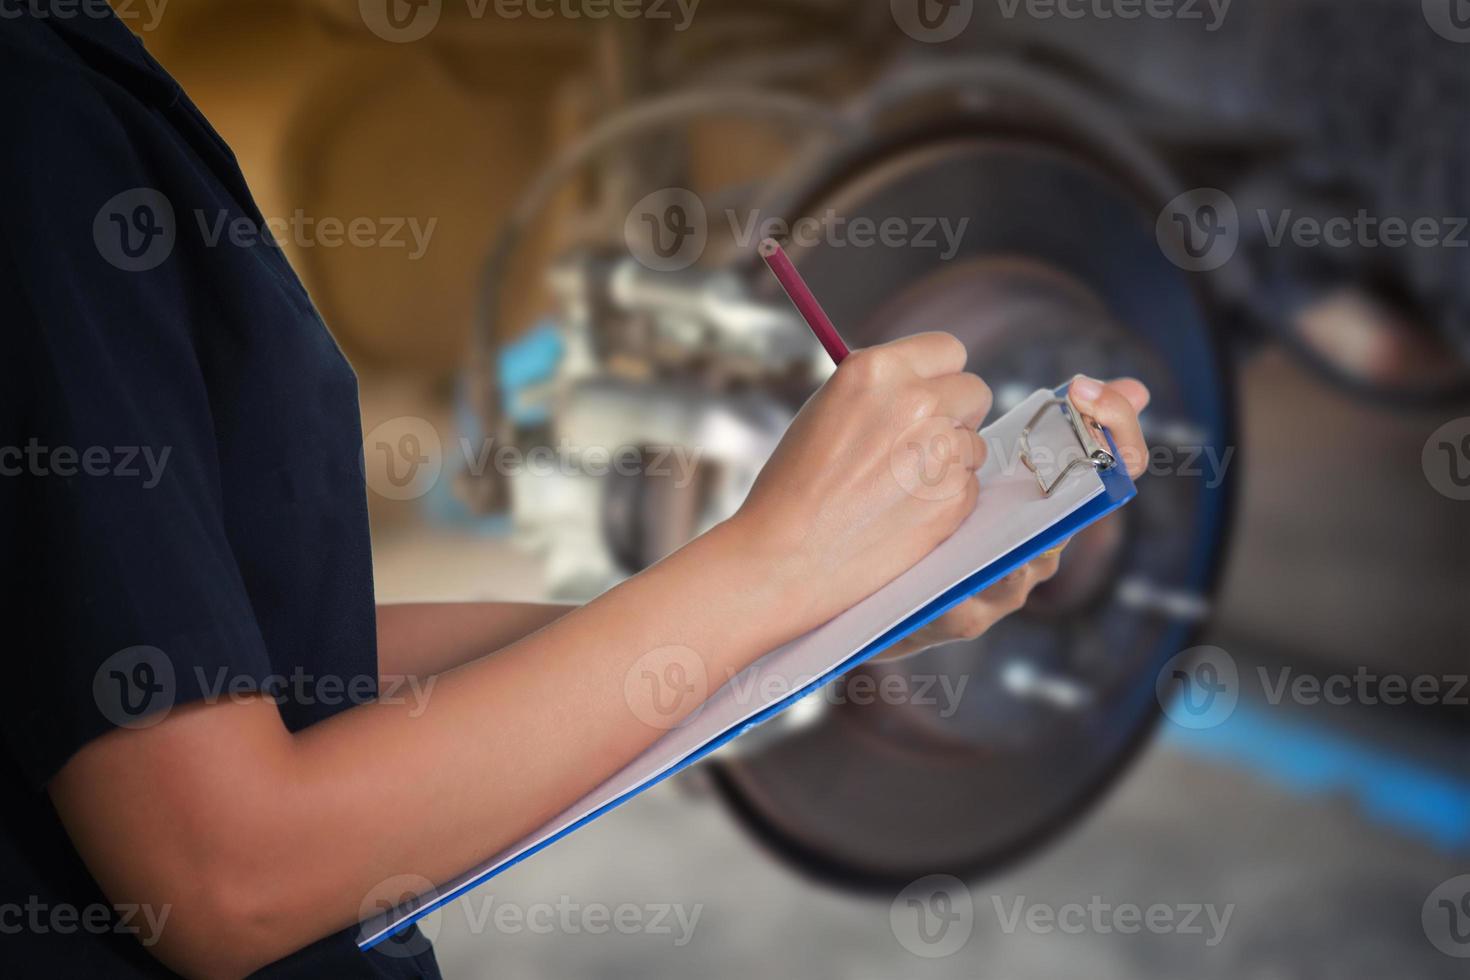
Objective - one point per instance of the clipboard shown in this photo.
(1050, 473)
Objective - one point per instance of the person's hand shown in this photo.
(1114, 405)
(876, 470)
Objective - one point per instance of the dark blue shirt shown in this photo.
(182, 505)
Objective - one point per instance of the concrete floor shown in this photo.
(1312, 890)
(670, 886)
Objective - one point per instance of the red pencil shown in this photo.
(801, 297)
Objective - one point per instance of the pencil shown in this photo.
(801, 297)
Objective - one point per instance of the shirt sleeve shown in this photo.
(121, 597)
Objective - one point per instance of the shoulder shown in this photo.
(71, 91)
(83, 205)
(77, 134)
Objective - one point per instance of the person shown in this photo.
(184, 524)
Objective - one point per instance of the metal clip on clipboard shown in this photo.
(1094, 452)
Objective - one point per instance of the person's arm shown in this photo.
(262, 841)
(423, 639)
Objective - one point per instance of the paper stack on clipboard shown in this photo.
(1049, 474)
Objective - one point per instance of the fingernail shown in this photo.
(1085, 389)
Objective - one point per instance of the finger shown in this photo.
(1134, 390)
(1057, 551)
(930, 355)
(965, 621)
(1045, 566)
(1110, 409)
(963, 396)
(1010, 592)
(972, 618)
(979, 449)
(977, 615)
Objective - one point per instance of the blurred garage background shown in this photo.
(1230, 739)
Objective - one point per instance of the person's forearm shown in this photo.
(508, 741)
(423, 639)
(274, 840)
(305, 828)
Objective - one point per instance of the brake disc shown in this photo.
(994, 744)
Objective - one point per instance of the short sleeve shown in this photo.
(122, 599)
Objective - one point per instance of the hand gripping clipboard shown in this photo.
(1050, 473)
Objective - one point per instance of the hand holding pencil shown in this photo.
(878, 467)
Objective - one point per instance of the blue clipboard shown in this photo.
(1118, 489)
